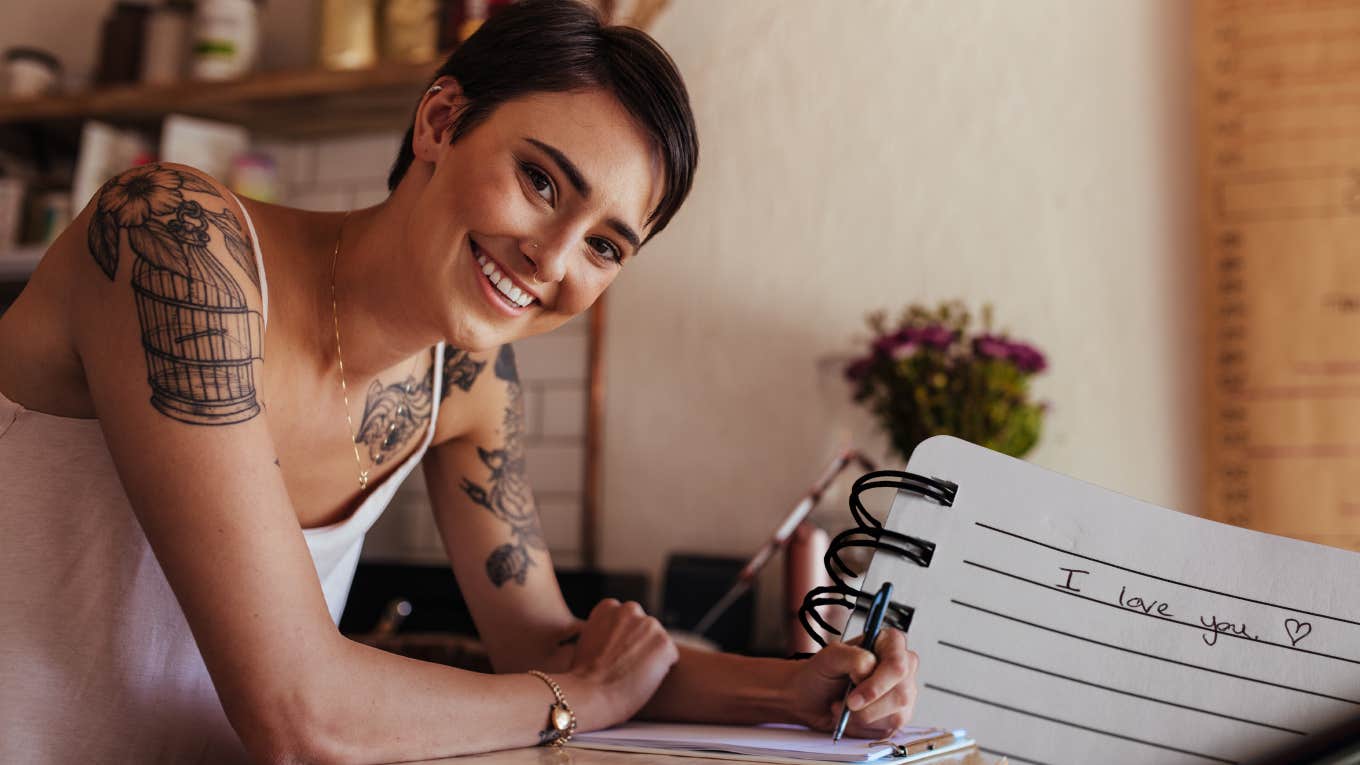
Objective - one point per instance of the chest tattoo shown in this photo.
(393, 414)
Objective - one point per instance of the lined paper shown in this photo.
(1062, 623)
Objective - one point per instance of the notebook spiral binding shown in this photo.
(868, 532)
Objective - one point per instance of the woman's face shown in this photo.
(547, 197)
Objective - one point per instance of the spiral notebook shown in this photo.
(774, 743)
(1065, 624)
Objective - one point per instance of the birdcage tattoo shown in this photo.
(200, 339)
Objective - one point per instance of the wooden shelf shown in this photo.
(292, 104)
(17, 264)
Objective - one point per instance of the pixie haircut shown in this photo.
(555, 46)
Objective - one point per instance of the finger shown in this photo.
(891, 670)
(886, 709)
(840, 660)
(603, 608)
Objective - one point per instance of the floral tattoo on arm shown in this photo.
(507, 494)
(199, 335)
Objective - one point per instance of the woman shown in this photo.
(196, 430)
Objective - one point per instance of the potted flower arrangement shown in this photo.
(929, 375)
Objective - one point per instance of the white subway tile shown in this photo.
(561, 520)
(533, 405)
(555, 467)
(552, 356)
(564, 411)
(366, 157)
(294, 160)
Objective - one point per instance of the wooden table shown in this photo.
(577, 756)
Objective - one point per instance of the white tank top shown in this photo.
(97, 663)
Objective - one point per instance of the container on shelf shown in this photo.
(410, 30)
(30, 72)
(226, 39)
(120, 46)
(165, 52)
(348, 38)
(254, 175)
(53, 214)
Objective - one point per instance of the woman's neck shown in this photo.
(378, 324)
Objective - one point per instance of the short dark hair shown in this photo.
(562, 45)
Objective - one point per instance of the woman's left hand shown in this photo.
(885, 687)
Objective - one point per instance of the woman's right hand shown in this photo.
(621, 658)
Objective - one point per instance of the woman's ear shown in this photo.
(439, 108)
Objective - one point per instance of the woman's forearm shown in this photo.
(373, 706)
(711, 687)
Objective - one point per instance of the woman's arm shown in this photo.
(487, 519)
(161, 291)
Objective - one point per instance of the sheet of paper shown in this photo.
(785, 740)
(1061, 623)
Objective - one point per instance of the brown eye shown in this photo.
(540, 182)
(606, 249)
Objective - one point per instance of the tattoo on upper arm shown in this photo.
(393, 413)
(459, 369)
(199, 335)
(508, 496)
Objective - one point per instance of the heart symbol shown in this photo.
(1297, 630)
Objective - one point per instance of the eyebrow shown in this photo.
(582, 186)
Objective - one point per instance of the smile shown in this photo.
(502, 283)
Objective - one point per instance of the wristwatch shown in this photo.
(561, 720)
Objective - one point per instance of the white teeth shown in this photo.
(503, 283)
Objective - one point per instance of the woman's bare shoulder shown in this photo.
(165, 219)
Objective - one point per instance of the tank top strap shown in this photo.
(259, 261)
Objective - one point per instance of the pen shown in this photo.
(872, 624)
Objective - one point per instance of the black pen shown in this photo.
(872, 624)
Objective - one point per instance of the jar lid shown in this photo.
(33, 54)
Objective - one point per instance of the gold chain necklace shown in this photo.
(344, 390)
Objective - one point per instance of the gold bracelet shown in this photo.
(561, 720)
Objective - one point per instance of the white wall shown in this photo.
(862, 155)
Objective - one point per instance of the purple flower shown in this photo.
(858, 369)
(936, 336)
(1028, 358)
(897, 344)
(1025, 357)
(991, 347)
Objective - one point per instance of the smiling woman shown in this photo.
(178, 602)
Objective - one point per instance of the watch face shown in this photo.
(560, 718)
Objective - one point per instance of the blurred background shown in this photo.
(1151, 195)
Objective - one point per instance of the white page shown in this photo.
(789, 741)
(1049, 669)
